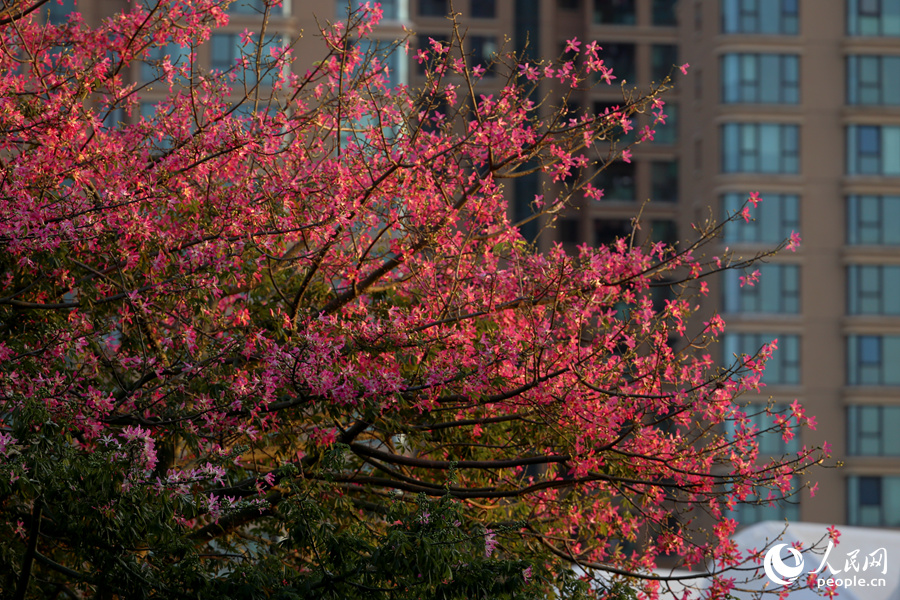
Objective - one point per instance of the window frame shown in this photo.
(746, 151)
(753, 78)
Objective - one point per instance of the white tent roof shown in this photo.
(863, 581)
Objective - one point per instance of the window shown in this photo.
(783, 368)
(665, 231)
(569, 231)
(615, 133)
(424, 43)
(770, 439)
(617, 180)
(873, 360)
(664, 12)
(483, 9)
(872, 430)
(760, 148)
(667, 133)
(255, 7)
(760, 78)
(776, 292)
(227, 51)
(614, 12)
(873, 150)
(390, 8)
(771, 17)
(873, 17)
(662, 58)
(484, 49)
(873, 220)
(873, 80)
(664, 181)
(178, 56)
(433, 8)
(390, 59)
(774, 218)
(569, 4)
(59, 13)
(621, 59)
(763, 510)
(873, 290)
(525, 188)
(607, 231)
(527, 28)
(873, 501)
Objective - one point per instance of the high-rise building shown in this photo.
(798, 100)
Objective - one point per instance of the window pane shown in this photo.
(617, 181)
(663, 58)
(773, 17)
(614, 12)
(434, 8)
(664, 12)
(483, 9)
(664, 181)
(760, 148)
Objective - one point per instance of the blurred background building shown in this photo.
(796, 99)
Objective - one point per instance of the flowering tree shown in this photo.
(286, 342)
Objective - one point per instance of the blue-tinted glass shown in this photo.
(614, 12)
(869, 350)
(869, 491)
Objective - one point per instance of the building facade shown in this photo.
(798, 100)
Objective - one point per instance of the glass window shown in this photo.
(774, 218)
(872, 430)
(59, 12)
(390, 8)
(434, 8)
(783, 368)
(616, 133)
(607, 231)
(873, 220)
(873, 150)
(663, 230)
(662, 58)
(227, 51)
(483, 9)
(873, 290)
(777, 290)
(873, 360)
(873, 80)
(527, 28)
(423, 42)
(255, 7)
(569, 231)
(617, 180)
(484, 50)
(772, 17)
(760, 78)
(770, 439)
(664, 12)
(389, 58)
(525, 188)
(178, 56)
(759, 510)
(664, 180)
(873, 17)
(760, 148)
(873, 501)
(667, 133)
(614, 12)
(621, 59)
